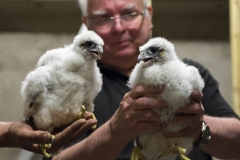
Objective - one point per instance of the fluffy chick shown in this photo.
(159, 66)
(64, 80)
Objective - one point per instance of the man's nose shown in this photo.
(118, 25)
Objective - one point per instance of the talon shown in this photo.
(80, 115)
(44, 152)
(175, 149)
(137, 154)
(82, 112)
(84, 109)
(53, 138)
(93, 117)
(47, 146)
(94, 126)
(43, 148)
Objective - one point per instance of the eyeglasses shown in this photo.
(133, 18)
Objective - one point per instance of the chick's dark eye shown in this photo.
(89, 43)
(153, 49)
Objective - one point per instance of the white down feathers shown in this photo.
(64, 79)
(178, 79)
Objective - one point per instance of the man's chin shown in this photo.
(121, 53)
(122, 44)
(125, 55)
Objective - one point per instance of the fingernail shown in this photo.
(46, 137)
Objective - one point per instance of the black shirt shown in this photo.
(114, 88)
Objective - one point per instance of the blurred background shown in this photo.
(198, 28)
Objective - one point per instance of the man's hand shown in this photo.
(64, 136)
(135, 115)
(191, 116)
(22, 135)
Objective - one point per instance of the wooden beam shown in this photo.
(173, 19)
(188, 19)
(235, 49)
(56, 16)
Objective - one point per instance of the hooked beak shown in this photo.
(146, 59)
(97, 52)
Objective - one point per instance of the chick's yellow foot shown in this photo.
(94, 117)
(175, 149)
(80, 115)
(137, 154)
(84, 112)
(43, 148)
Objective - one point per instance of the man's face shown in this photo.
(121, 39)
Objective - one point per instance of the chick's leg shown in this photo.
(137, 154)
(43, 148)
(84, 112)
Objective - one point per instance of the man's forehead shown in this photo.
(101, 6)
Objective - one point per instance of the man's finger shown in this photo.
(36, 137)
(142, 90)
(87, 126)
(148, 102)
(70, 130)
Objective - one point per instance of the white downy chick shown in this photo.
(159, 66)
(64, 80)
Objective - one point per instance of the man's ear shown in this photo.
(150, 11)
(84, 20)
(150, 14)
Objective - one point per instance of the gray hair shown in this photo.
(83, 5)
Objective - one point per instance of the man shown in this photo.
(22, 134)
(123, 114)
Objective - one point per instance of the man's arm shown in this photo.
(225, 132)
(22, 135)
(101, 144)
(225, 141)
(133, 117)
(107, 142)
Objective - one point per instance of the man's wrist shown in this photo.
(4, 128)
(205, 136)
